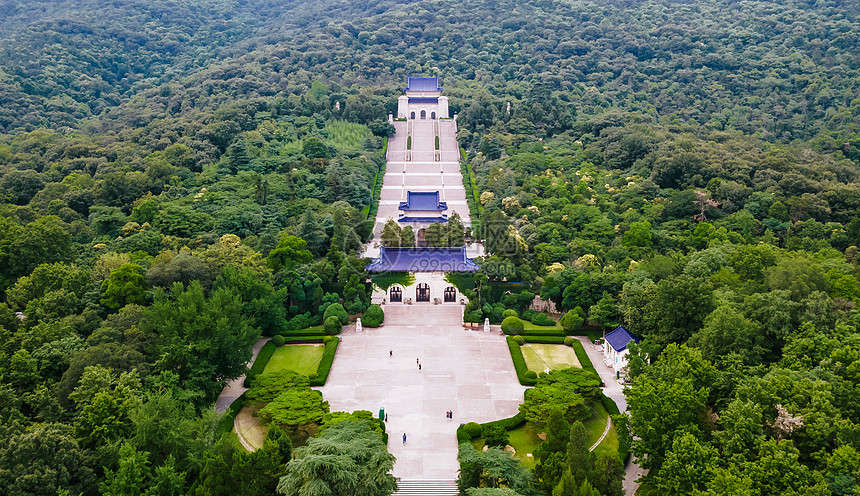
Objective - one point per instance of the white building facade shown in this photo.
(423, 100)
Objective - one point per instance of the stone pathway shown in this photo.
(235, 388)
(468, 372)
(615, 391)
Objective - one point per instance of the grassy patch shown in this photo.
(524, 439)
(252, 428)
(595, 425)
(346, 136)
(300, 358)
(539, 357)
(528, 326)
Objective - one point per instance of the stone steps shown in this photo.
(427, 487)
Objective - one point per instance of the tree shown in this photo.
(290, 252)
(313, 147)
(639, 235)
(205, 341)
(435, 235)
(608, 474)
(44, 240)
(336, 310)
(238, 158)
(565, 390)
(456, 231)
(348, 458)
(493, 468)
(572, 320)
(579, 458)
(125, 285)
(373, 316)
(42, 459)
(407, 237)
(295, 407)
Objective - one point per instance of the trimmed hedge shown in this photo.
(544, 339)
(277, 340)
(512, 325)
(544, 332)
(466, 432)
(373, 316)
(582, 356)
(609, 404)
(260, 363)
(326, 361)
(332, 325)
(519, 362)
(302, 332)
(509, 313)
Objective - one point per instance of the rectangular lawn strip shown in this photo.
(539, 357)
(528, 326)
(300, 358)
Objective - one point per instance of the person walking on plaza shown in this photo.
(404, 438)
(419, 366)
(390, 353)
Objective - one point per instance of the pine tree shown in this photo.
(578, 456)
(390, 236)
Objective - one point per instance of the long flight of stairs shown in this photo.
(427, 487)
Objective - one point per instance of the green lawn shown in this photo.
(539, 357)
(524, 439)
(594, 426)
(528, 326)
(301, 358)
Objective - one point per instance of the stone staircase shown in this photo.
(427, 487)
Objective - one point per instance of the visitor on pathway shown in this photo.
(390, 353)
(404, 438)
(386, 417)
(419, 366)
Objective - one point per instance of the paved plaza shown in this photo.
(468, 372)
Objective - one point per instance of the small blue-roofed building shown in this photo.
(428, 266)
(422, 208)
(615, 347)
(423, 99)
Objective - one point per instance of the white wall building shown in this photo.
(423, 100)
(615, 348)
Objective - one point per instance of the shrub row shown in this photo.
(610, 405)
(582, 356)
(327, 359)
(260, 363)
(544, 332)
(466, 432)
(520, 362)
(303, 332)
(544, 339)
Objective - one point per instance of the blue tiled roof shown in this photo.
(441, 219)
(423, 84)
(422, 99)
(619, 338)
(424, 201)
(422, 260)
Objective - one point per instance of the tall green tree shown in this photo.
(348, 458)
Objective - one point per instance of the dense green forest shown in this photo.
(179, 178)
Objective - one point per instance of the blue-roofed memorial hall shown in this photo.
(422, 186)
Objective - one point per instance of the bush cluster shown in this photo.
(542, 319)
(332, 325)
(277, 340)
(373, 316)
(336, 310)
(520, 340)
(509, 313)
(512, 326)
